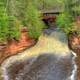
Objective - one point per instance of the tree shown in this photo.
(28, 14)
(3, 22)
(8, 27)
(33, 20)
(66, 18)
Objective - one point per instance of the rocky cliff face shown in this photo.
(49, 59)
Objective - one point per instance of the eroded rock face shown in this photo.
(49, 59)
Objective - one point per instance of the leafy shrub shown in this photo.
(65, 22)
(13, 28)
(27, 13)
(76, 27)
(33, 21)
(66, 19)
(3, 23)
(8, 28)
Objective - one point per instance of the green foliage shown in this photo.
(13, 28)
(3, 22)
(8, 28)
(51, 3)
(17, 8)
(64, 21)
(76, 10)
(34, 23)
(28, 14)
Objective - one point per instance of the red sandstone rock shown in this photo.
(13, 47)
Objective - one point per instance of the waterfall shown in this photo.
(49, 59)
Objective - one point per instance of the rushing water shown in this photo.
(74, 71)
(49, 59)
